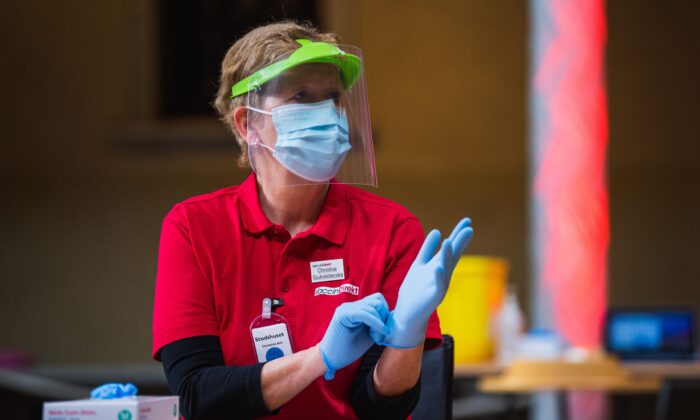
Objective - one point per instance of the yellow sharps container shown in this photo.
(476, 292)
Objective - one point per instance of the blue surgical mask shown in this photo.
(312, 139)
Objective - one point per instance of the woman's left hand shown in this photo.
(425, 286)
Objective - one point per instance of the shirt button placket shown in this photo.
(282, 270)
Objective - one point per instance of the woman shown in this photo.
(327, 261)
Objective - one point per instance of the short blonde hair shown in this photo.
(255, 50)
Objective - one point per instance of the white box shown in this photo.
(127, 408)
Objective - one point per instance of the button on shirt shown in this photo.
(220, 256)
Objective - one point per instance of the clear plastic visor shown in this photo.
(305, 127)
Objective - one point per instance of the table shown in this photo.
(689, 370)
(600, 374)
(621, 379)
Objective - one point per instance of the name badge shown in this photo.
(271, 342)
(328, 270)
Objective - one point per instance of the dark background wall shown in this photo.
(88, 170)
(654, 170)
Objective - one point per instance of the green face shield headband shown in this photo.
(310, 52)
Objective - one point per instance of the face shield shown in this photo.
(308, 118)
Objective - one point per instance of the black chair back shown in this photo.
(437, 373)
(678, 400)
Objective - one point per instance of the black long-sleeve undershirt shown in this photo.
(208, 389)
(364, 399)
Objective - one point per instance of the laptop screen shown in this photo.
(651, 334)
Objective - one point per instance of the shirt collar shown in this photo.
(254, 220)
(332, 222)
(334, 217)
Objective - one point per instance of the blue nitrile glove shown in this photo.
(113, 390)
(425, 286)
(347, 337)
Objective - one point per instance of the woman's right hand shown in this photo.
(348, 335)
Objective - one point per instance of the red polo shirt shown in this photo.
(220, 256)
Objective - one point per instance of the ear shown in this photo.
(239, 118)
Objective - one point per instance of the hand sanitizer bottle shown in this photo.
(509, 328)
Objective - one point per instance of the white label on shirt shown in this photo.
(328, 270)
(332, 291)
(271, 342)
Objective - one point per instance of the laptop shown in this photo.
(651, 333)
